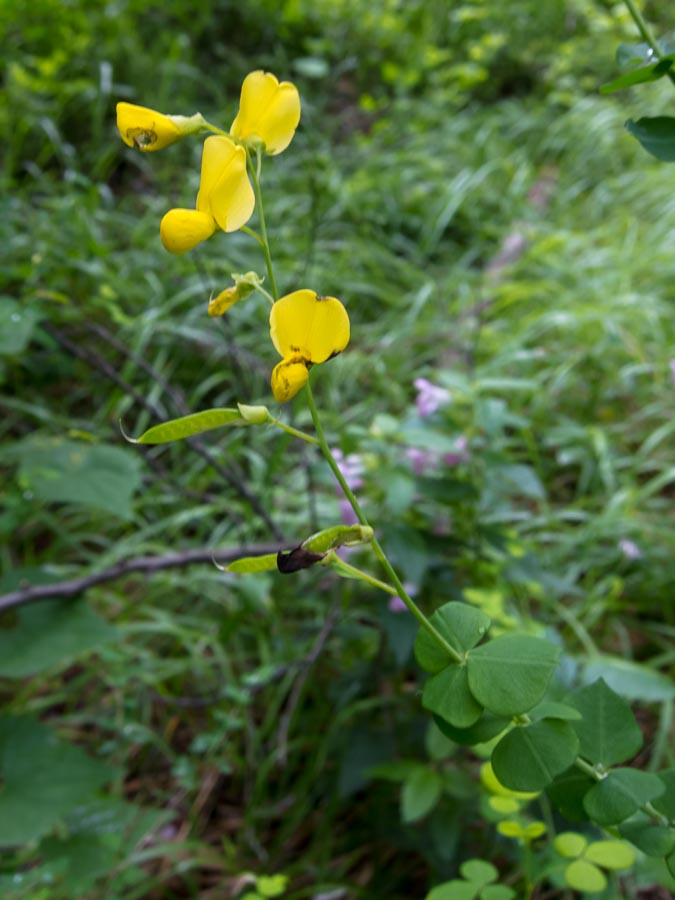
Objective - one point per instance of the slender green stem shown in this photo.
(255, 178)
(341, 566)
(588, 769)
(386, 565)
(646, 32)
(293, 431)
(254, 234)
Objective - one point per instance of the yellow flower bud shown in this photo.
(182, 229)
(146, 129)
(269, 112)
(288, 377)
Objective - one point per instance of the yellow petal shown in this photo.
(182, 229)
(217, 154)
(310, 327)
(288, 377)
(268, 111)
(146, 128)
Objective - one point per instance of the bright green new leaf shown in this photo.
(43, 779)
(248, 564)
(528, 758)
(421, 792)
(461, 625)
(656, 134)
(621, 793)
(611, 854)
(584, 876)
(338, 536)
(608, 733)
(187, 426)
(509, 675)
(497, 892)
(570, 844)
(46, 634)
(447, 694)
(271, 885)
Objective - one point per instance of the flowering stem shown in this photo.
(386, 565)
(255, 178)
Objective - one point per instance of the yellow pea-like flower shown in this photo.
(269, 112)
(305, 329)
(225, 199)
(149, 130)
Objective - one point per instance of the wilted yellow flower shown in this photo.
(225, 199)
(269, 112)
(148, 130)
(305, 329)
(242, 287)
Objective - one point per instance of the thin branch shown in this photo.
(146, 564)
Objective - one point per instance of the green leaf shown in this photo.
(528, 758)
(338, 536)
(657, 135)
(460, 624)
(486, 728)
(640, 76)
(421, 791)
(186, 426)
(666, 802)
(567, 794)
(497, 892)
(584, 876)
(621, 793)
(570, 844)
(453, 890)
(271, 885)
(17, 322)
(447, 694)
(550, 709)
(653, 840)
(630, 679)
(611, 854)
(247, 564)
(92, 475)
(636, 54)
(478, 872)
(50, 633)
(607, 732)
(510, 674)
(42, 779)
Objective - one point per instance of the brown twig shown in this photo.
(77, 586)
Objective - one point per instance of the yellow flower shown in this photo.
(305, 329)
(149, 130)
(225, 199)
(269, 112)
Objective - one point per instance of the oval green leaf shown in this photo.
(584, 876)
(510, 674)
(447, 694)
(656, 134)
(460, 624)
(529, 758)
(486, 728)
(621, 793)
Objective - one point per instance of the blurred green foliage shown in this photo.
(459, 183)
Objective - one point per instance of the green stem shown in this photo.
(386, 565)
(255, 178)
(341, 566)
(645, 32)
(254, 234)
(293, 431)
